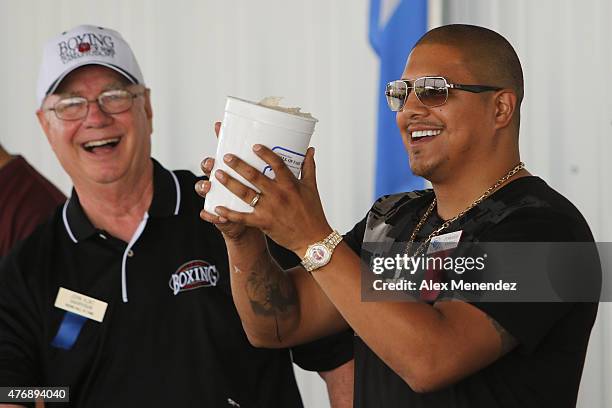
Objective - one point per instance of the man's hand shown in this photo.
(229, 230)
(289, 210)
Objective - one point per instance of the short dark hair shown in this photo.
(491, 58)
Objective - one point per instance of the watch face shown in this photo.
(319, 254)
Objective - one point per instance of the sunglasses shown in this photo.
(430, 91)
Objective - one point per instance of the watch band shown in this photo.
(332, 240)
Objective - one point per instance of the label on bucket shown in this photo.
(292, 159)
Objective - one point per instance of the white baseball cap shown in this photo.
(84, 45)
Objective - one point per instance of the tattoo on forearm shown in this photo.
(270, 291)
(508, 342)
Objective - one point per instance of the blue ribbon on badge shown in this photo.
(68, 331)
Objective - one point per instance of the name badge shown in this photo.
(80, 304)
(444, 242)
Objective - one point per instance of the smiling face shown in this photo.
(456, 136)
(100, 148)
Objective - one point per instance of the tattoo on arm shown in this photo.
(508, 342)
(270, 291)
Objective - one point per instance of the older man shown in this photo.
(124, 296)
(458, 111)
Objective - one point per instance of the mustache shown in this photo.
(423, 123)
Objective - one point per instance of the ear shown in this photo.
(148, 109)
(44, 121)
(505, 107)
(147, 106)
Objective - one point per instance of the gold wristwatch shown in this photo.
(320, 253)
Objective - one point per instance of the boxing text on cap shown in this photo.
(84, 45)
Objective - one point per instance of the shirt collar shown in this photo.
(166, 202)
(407, 213)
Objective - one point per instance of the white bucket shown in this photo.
(247, 123)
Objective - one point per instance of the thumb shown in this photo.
(309, 169)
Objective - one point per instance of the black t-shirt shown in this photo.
(170, 335)
(544, 370)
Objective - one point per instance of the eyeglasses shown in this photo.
(77, 107)
(430, 91)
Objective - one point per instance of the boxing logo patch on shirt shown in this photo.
(193, 275)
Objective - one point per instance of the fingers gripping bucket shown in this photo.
(247, 123)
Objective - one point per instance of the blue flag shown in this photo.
(395, 26)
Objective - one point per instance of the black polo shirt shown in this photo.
(170, 335)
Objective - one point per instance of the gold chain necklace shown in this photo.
(445, 225)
